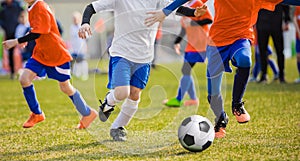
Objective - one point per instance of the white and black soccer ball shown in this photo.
(196, 133)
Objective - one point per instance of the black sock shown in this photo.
(240, 83)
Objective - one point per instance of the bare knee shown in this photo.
(67, 88)
(26, 78)
(135, 93)
(122, 92)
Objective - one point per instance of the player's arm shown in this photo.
(185, 11)
(292, 2)
(13, 42)
(201, 22)
(159, 16)
(178, 40)
(85, 24)
(171, 7)
(296, 25)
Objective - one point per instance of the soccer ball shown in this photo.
(196, 133)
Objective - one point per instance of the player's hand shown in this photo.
(23, 45)
(85, 31)
(285, 27)
(156, 16)
(177, 49)
(10, 43)
(200, 11)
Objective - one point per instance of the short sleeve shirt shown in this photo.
(50, 49)
(132, 40)
(197, 35)
(234, 19)
(297, 16)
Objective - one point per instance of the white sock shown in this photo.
(128, 109)
(111, 100)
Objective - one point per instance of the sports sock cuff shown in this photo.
(80, 104)
(132, 102)
(111, 100)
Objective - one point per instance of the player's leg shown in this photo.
(199, 57)
(32, 69)
(129, 107)
(216, 65)
(277, 37)
(272, 63)
(298, 59)
(11, 62)
(184, 85)
(62, 75)
(242, 60)
(119, 81)
(262, 40)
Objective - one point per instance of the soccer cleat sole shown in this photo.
(102, 116)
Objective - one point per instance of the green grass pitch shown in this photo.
(272, 134)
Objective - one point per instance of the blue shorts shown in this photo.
(194, 57)
(298, 45)
(60, 73)
(123, 72)
(239, 53)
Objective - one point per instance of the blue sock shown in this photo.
(273, 66)
(185, 83)
(192, 91)
(214, 95)
(216, 104)
(80, 104)
(29, 94)
(240, 83)
(298, 66)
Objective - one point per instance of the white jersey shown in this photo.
(132, 40)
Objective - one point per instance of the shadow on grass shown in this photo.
(56, 148)
(104, 153)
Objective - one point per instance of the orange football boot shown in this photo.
(240, 113)
(34, 119)
(191, 102)
(87, 120)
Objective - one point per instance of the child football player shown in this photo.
(230, 39)
(296, 21)
(131, 54)
(194, 53)
(50, 57)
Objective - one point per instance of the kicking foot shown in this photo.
(87, 120)
(34, 119)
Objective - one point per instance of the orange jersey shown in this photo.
(234, 19)
(297, 16)
(196, 35)
(50, 49)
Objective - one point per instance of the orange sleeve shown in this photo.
(297, 11)
(40, 22)
(270, 4)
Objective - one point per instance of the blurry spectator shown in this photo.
(9, 14)
(22, 29)
(78, 49)
(269, 23)
(256, 68)
(59, 25)
(156, 44)
(297, 26)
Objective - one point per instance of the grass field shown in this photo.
(272, 134)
